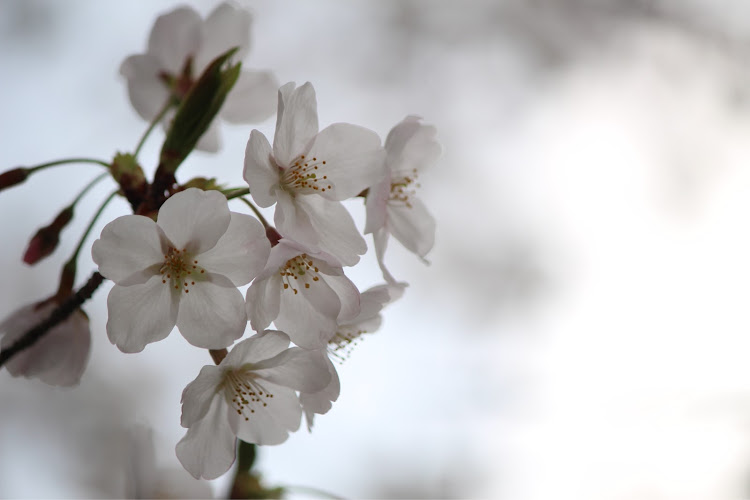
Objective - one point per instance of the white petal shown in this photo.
(252, 99)
(257, 348)
(59, 358)
(208, 449)
(127, 246)
(146, 91)
(322, 401)
(309, 316)
(141, 314)
(210, 141)
(261, 172)
(348, 295)
(380, 242)
(271, 424)
(292, 220)
(194, 219)
(296, 368)
(212, 313)
(227, 26)
(296, 124)
(413, 226)
(375, 203)
(241, 253)
(198, 394)
(175, 36)
(262, 302)
(355, 159)
(411, 146)
(334, 227)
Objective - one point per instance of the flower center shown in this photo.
(405, 188)
(302, 176)
(344, 341)
(299, 271)
(180, 270)
(244, 393)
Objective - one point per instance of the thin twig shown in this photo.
(58, 316)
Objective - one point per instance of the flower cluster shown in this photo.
(181, 258)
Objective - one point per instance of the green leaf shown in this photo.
(197, 110)
(245, 456)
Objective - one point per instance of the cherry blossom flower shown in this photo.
(304, 293)
(145, 479)
(180, 47)
(60, 356)
(392, 205)
(307, 173)
(183, 269)
(250, 395)
(339, 346)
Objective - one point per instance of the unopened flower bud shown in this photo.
(203, 184)
(13, 177)
(46, 239)
(129, 175)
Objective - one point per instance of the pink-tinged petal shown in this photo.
(262, 302)
(146, 91)
(354, 159)
(296, 368)
(271, 424)
(227, 26)
(322, 401)
(59, 358)
(127, 246)
(212, 313)
(175, 36)
(252, 99)
(141, 314)
(413, 226)
(375, 205)
(336, 233)
(292, 220)
(210, 141)
(260, 173)
(296, 123)
(285, 91)
(411, 147)
(257, 348)
(198, 394)
(194, 219)
(208, 449)
(241, 253)
(375, 298)
(348, 295)
(309, 316)
(380, 242)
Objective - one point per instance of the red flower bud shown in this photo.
(13, 177)
(46, 239)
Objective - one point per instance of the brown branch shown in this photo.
(59, 315)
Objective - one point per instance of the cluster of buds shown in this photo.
(182, 255)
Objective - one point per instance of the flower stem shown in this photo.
(88, 187)
(235, 192)
(157, 119)
(256, 212)
(98, 213)
(66, 161)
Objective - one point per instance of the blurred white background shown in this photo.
(582, 331)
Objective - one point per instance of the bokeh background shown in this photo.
(583, 329)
